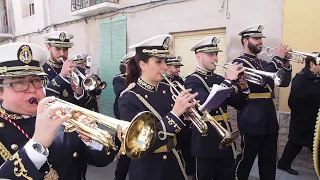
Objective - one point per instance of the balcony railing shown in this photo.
(81, 4)
(5, 27)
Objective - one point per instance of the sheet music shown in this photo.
(216, 97)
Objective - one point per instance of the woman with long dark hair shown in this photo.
(146, 92)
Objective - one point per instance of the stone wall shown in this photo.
(304, 159)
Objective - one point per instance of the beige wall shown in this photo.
(300, 32)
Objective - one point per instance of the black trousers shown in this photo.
(122, 165)
(220, 168)
(184, 144)
(289, 154)
(265, 146)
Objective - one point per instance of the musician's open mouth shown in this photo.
(33, 100)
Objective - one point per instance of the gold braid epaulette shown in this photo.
(130, 86)
(19, 168)
(4, 152)
(316, 144)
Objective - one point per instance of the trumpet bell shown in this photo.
(91, 83)
(140, 135)
(102, 85)
(229, 139)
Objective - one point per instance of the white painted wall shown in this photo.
(178, 17)
(205, 14)
(31, 23)
(60, 11)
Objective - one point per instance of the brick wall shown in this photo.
(304, 159)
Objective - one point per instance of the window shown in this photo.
(31, 7)
(27, 8)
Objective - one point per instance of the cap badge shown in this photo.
(62, 36)
(260, 28)
(25, 54)
(215, 41)
(166, 43)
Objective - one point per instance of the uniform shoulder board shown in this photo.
(130, 86)
(119, 75)
(316, 148)
(240, 58)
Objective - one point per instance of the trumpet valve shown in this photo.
(69, 127)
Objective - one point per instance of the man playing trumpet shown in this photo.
(58, 43)
(211, 161)
(257, 121)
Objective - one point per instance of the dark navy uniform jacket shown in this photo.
(259, 117)
(157, 164)
(91, 100)
(118, 86)
(68, 155)
(58, 87)
(201, 81)
(184, 137)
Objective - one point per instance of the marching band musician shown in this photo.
(91, 101)
(119, 81)
(146, 92)
(59, 84)
(80, 60)
(184, 137)
(257, 121)
(212, 162)
(32, 141)
(173, 71)
(118, 86)
(304, 101)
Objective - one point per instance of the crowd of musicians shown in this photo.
(36, 141)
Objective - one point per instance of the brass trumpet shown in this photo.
(255, 76)
(297, 56)
(93, 82)
(200, 121)
(138, 137)
(88, 83)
